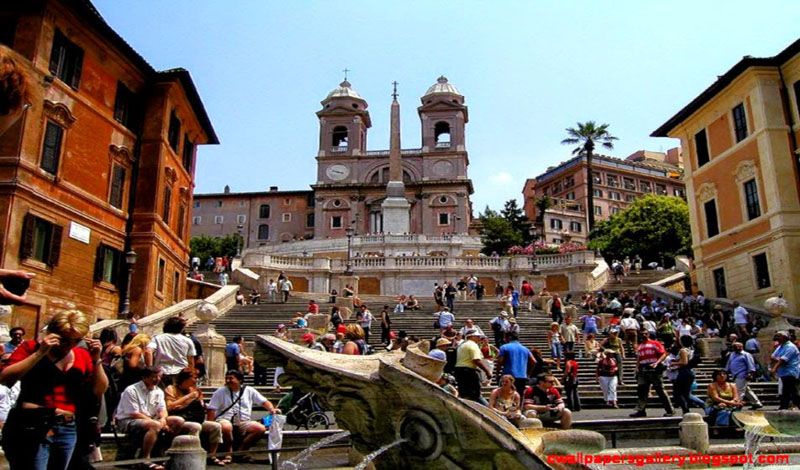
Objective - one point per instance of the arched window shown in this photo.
(263, 232)
(263, 211)
(442, 133)
(382, 176)
(339, 137)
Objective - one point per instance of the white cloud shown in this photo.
(501, 178)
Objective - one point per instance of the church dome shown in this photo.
(344, 90)
(442, 86)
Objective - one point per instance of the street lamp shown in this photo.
(348, 269)
(239, 229)
(130, 260)
(534, 235)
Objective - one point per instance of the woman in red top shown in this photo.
(55, 374)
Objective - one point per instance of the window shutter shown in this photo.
(51, 147)
(56, 53)
(78, 65)
(28, 230)
(116, 272)
(55, 245)
(98, 263)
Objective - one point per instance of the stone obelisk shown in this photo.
(395, 207)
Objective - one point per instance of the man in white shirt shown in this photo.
(446, 318)
(740, 319)
(171, 351)
(142, 412)
(365, 318)
(469, 324)
(286, 289)
(232, 406)
(631, 328)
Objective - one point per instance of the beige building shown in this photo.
(740, 137)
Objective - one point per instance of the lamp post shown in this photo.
(239, 229)
(348, 269)
(534, 234)
(130, 261)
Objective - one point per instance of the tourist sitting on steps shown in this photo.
(184, 399)
(506, 400)
(542, 401)
(232, 407)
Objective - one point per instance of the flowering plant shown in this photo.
(541, 248)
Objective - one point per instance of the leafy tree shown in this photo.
(204, 246)
(586, 135)
(518, 220)
(498, 234)
(653, 227)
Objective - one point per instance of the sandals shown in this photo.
(152, 466)
(215, 462)
(228, 459)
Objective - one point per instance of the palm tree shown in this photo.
(586, 135)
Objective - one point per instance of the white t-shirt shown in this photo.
(138, 399)
(629, 324)
(740, 315)
(8, 398)
(241, 411)
(171, 352)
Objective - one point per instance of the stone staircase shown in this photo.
(252, 320)
(632, 281)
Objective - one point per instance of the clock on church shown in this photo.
(337, 172)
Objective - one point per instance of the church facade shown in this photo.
(351, 181)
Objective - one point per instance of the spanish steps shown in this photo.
(262, 319)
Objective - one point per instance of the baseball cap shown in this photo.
(307, 338)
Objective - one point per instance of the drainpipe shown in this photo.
(788, 112)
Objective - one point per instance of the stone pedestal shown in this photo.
(543, 301)
(186, 453)
(694, 433)
(710, 348)
(344, 280)
(213, 344)
(396, 218)
(319, 323)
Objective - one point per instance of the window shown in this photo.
(176, 286)
(719, 282)
(644, 186)
(107, 264)
(339, 138)
(630, 198)
(444, 218)
(441, 132)
(615, 210)
(197, 220)
(310, 220)
(612, 181)
(263, 232)
(739, 122)
(117, 186)
(162, 266)
(181, 220)
(51, 147)
(761, 271)
(41, 240)
(679, 192)
(558, 241)
(66, 60)
(597, 178)
(598, 210)
(336, 221)
(569, 181)
(575, 227)
(570, 195)
(286, 217)
(661, 190)
(197, 204)
(615, 195)
(167, 205)
(219, 203)
(174, 132)
(240, 219)
(712, 224)
(628, 184)
(123, 106)
(751, 199)
(218, 219)
(188, 153)
(556, 224)
(598, 193)
(263, 211)
(701, 146)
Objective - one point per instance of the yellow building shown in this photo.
(740, 140)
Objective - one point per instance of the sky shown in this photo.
(528, 71)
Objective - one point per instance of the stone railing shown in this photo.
(224, 298)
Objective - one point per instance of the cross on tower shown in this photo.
(345, 73)
(394, 93)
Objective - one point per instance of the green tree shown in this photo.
(653, 227)
(204, 246)
(497, 233)
(587, 135)
(518, 220)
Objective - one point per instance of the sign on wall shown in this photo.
(79, 232)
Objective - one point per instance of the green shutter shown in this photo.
(55, 245)
(28, 233)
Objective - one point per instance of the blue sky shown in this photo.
(527, 69)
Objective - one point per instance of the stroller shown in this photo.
(305, 412)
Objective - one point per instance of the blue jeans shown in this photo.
(53, 453)
(556, 350)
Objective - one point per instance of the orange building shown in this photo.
(617, 183)
(742, 179)
(100, 164)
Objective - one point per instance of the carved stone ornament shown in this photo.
(60, 113)
(120, 153)
(171, 175)
(745, 170)
(706, 191)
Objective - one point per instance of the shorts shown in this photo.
(550, 417)
(132, 426)
(241, 426)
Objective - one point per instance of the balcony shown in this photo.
(442, 145)
(338, 149)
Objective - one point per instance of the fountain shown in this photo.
(294, 463)
(392, 408)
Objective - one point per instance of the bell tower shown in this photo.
(443, 116)
(343, 123)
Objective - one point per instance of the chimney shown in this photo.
(273, 188)
(227, 189)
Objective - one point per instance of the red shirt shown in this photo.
(47, 385)
(650, 351)
(313, 308)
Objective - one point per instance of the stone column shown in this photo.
(694, 432)
(186, 453)
(213, 344)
